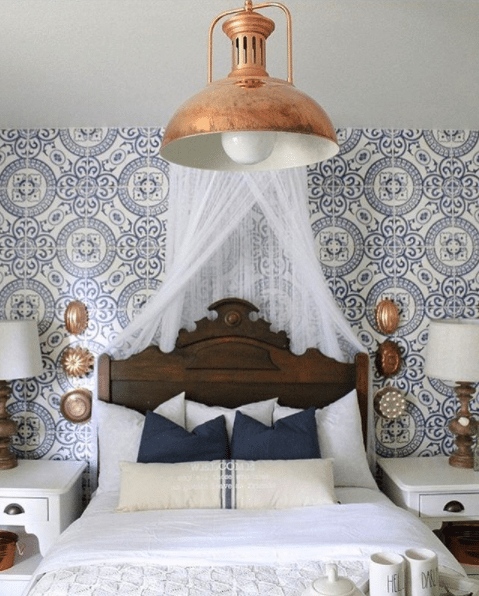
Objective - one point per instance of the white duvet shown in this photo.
(226, 552)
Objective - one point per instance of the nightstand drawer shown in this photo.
(21, 509)
(446, 505)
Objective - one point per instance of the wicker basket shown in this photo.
(462, 539)
(8, 545)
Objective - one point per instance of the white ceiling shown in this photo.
(369, 63)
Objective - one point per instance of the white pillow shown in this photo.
(227, 484)
(198, 413)
(119, 435)
(340, 437)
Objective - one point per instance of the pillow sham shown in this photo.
(291, 437)
(164, 441)
(197, 413)
(119, 434)
(227, 484)
(340, 437)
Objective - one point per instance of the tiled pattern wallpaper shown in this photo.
(84, 213)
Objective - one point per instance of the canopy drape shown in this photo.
(243, 235)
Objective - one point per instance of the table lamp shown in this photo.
(20, 358)
(452, 354)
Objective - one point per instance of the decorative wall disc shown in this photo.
(76, 317)
(389, 402)
(75, 405)
(77, 361)
(388, 358)
(387, 316)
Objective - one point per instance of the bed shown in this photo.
(251, 476)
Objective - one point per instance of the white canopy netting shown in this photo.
(242, 235)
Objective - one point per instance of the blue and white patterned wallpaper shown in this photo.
(396, 215)
(83, 216)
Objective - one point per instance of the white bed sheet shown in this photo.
(211, 543)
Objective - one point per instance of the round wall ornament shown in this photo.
(389, 402)
(75, 405)
(388, 358)
(387, 316)
(76, 317)
(77, 361)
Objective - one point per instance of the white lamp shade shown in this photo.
(452, 351)
(20, 355)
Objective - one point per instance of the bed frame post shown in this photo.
(103, 377)
(362, 389)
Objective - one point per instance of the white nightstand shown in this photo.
(431, 489)
(38, 498)
(434, 491)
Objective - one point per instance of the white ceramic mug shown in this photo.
(387, 575)
(422, 573)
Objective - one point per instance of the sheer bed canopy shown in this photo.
(244, 235)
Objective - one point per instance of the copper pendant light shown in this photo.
(249, 121)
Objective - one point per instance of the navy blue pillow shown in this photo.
(164, 441)
(292, 437)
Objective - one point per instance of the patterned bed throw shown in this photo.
(151, 580)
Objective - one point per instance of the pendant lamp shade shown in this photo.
(249, 121)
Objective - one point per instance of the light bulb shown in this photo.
(248, 147)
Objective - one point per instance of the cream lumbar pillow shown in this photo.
(227, 484)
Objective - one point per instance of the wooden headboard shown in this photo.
(230, 361)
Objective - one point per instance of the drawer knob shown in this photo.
(13, 509)
(454, 507)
